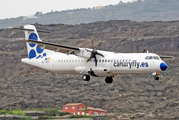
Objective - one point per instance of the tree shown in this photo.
(85, 110)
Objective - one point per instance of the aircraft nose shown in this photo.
(163, 66)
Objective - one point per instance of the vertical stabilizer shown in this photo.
(33, 50)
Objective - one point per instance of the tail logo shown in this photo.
(37, 51)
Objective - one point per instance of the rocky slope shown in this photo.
(24, 86)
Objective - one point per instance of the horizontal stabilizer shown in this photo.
(42, 31)
(163, 57)
(52, 46)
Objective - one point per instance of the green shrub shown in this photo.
(3, 112)
(16, 112)
(42, 117)
(51, 111)
(63, 113)
(80, 116)
(26, 118)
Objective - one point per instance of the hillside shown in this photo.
(24, 86)
(147, 10)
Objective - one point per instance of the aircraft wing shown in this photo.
(53, 46)
(163, 57)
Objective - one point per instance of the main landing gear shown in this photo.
(109, 80)
(87, 78)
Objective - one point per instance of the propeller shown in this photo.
(94, 52)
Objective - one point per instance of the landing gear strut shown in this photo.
(109, 80)
(86, 77)
(157, 76)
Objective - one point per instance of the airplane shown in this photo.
(86, 61)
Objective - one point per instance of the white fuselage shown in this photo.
(109, 65)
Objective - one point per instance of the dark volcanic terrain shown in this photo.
(24, 86)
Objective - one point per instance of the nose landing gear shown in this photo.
(156, 76)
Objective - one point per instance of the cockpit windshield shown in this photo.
(152, 57)
(156, 58)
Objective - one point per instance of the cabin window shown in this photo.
(108, 60)
(81, 60)
(78, 60)
(75, 60)
(99, 60)
(102, 60)
(72, 60)
(64, 60)
(111, 60)
(69, 60)
(105, 60)
(59, 61)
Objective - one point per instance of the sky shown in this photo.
(16, 8)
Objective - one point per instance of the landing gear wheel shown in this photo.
(156, 78)
(109, 80)
(86, 77)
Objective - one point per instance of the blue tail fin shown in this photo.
(33, 50)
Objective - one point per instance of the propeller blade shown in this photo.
(100, 54)
(89, 59)
(92, 56)
(98, 45)
(95, 61)
(92, 43)
(146, 50)
(137, 48)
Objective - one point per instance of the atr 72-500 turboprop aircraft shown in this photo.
(88, 62)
